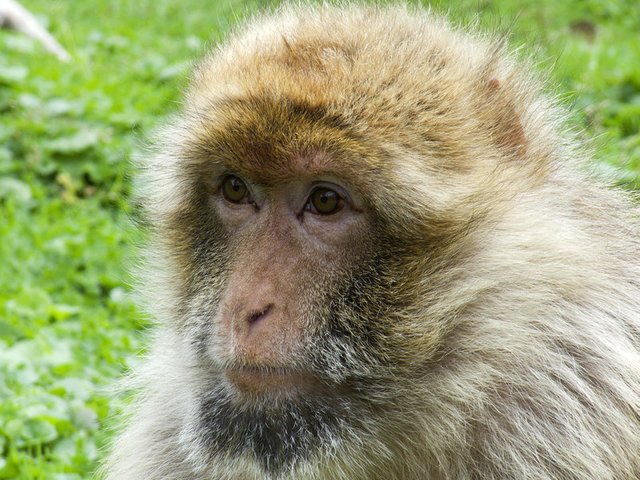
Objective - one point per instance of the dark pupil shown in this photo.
(234, 189)
(325, 201)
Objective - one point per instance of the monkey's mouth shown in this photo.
(259, 381)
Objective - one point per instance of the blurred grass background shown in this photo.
(68, 326)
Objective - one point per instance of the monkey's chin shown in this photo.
(274, 382)
(266, 417)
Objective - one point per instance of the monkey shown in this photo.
(376, 253)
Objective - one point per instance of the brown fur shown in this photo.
(481, 319)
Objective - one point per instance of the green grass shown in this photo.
(68, 326)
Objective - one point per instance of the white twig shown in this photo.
(15, 16)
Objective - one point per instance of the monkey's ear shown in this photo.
(506, 124)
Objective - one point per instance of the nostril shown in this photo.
(259, 315)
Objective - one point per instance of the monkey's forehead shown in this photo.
(355, 59)
(276, 139)
(316, 82)
(390, 73)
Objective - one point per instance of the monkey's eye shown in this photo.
(234, 190)
(325, 201)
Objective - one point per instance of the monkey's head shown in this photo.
(314, 202)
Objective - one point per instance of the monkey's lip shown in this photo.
(275, 380)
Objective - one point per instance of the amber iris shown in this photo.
(234, 190)
(325, 201)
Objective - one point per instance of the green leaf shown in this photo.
(61, 312)
(10, 332)
(37, 432)
(8, 468)
(16, 189)
(13, 74)
(61, 106)
(79, 142)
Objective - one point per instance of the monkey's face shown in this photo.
(287, 277)
(315, 225)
